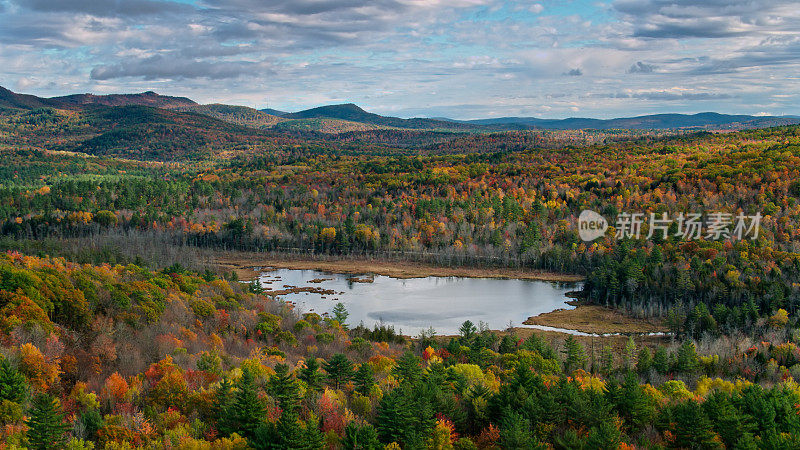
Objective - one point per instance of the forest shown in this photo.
(116, 335)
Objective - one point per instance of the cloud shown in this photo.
(680, 19)
(668, 95)
(105, 8)
(640, 67)
(160, 67)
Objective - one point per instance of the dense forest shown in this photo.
(108, 343)
(124, 357)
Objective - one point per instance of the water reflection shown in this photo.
(415, 304)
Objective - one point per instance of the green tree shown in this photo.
(661, 360)
(339, 369)
(247, 411)
(283, 388)
(12, 383)
(644, 362)
(575, 355)
(605, 436)
(360, 437)
(46, 427)
(340, 314)
(310, 374)
(692, 429)
(467, 331)
(364, 379)
(687, 360)
(408, 368)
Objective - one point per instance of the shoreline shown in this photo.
(595, 319)
(245, 266)
(583, 318)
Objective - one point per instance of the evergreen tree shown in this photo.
(467, 332)
(645, 361)
(605, 436)
(339, 369)
(247, 411)
(661, 360)
(311, 375)
(360, 437)
(408, 368)
(575, 355)
(364, 379)
(340, 314)
(46, 427)
(515, 432)
(12, 383)
(691, 428)
(283, 388)
(630, 352)
(688, 360)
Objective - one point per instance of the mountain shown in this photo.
(10, 99)
(353, 113)
(273, 112)
(239, 115)
(148, 98)
(656, 121)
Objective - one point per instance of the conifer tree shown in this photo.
(12, 383)
(46, 427)
(364, 379)
(283, 388)
(575, 355)
(310, 374)
(247, 411)
(339, 369)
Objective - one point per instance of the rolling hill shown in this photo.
(239, 115)
(354, 113)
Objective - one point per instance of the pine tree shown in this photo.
(661, 360)
(312, 435)
(360, 437)
(364, 379)
(645, 361)
(692, 429)
(283, 388)
(339, 369)
(576, 356)
(688, 360)
(311, 375)
(630, 352)
(12, 383)
(247, 410)
(408, 368)
(47, 429)
(340, 314)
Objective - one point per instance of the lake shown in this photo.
(414, 304)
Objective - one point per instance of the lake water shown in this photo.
(415, 304)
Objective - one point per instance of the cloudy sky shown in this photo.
(454, 58)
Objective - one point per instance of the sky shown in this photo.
(436, 58)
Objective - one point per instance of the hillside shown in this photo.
(353, 113)
(148, 98)
(239, 115)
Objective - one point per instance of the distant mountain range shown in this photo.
(350, 117)
(654, 121)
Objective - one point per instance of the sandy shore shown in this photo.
(247, 267)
